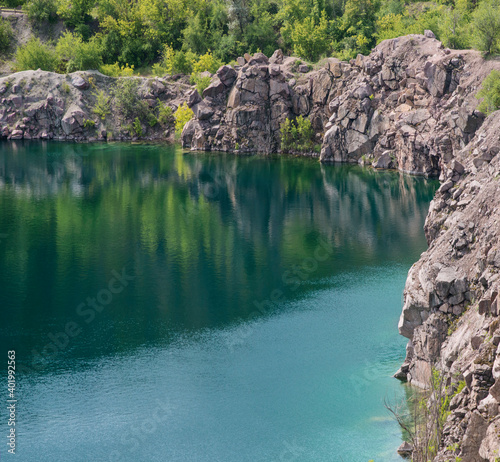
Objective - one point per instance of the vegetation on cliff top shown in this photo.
(173, 34)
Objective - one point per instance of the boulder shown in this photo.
(79, 82)
(192, 98)
(364, 91)
(227, 75)
(436, 79)
(277, 57)
(357, 144)
(215, 88)
(188, 133)
(202, 111)
(73, 119)
(322, 83)
(405, 450)
(258, 58)
(384, 161)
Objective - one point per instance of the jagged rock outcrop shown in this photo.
(451, 312)
(410, 104)
(45, 105)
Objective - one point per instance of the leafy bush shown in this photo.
(175, 62)
(127, 99)
(206, 62)
(5, 35)
(35, 55)
(297, 135)
(486, 26)
(115, 70)
(88, 123)
(79, 55)
(41, 10)
(490, 92)
(182, 116)
(201, 81)
(102, 105)
(136, 125)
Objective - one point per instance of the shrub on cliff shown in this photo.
(5, 35)
(127, 99)
(35, 55)
(297, 135)
(490, 92)
(174, 62)
(115, 70)
(182, 116)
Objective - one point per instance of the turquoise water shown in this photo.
(170, 306)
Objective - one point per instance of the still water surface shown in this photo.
(170, 306)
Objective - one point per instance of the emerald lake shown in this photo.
(182, 307)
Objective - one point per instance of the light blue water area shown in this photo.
(177, 363)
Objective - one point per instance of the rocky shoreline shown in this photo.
(409, 105)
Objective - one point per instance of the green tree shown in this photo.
(41, 10)
(486, 26)
(310, 40)
(127, 99)
(453, 29)
(75, 12)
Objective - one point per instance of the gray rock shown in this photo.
(405, 450)
(446, 186)
(192, 98)
(79, 83)
(429, 34)
(444, 279)
(363, 91)
(215, 88)
(277, 57)
(384, 161)
(73, 119)
(227, 75)
(202, 111)
(303, 68)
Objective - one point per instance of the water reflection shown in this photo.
(208, 236)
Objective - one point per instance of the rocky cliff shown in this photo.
(451, 312)
(410, 105)
(46, 105)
